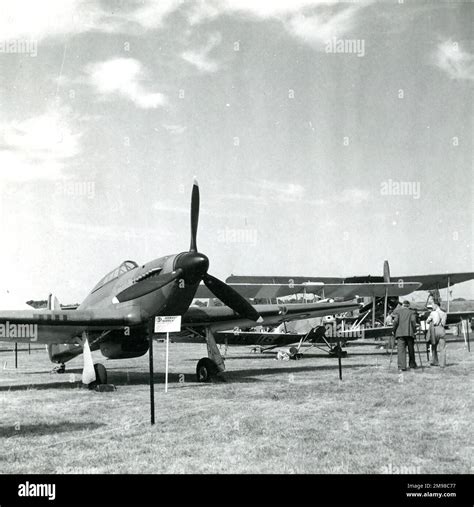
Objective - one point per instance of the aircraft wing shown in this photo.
(263, 290)
(439, 281)
(282, 280)
(58, 326)
(351, 290)
(326, 290)
(254, 338)
(223, 318)
(456, 317)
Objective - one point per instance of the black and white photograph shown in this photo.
(237, 252)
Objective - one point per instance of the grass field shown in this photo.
(269, 417)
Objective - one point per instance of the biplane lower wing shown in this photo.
(223, 318)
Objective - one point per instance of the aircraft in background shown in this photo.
(384, 291)
(347, 287)
(118, 314)
(273, 287)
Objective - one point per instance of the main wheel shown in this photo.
(205, 370)
(100, 373)
(100, 376)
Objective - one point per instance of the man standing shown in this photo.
(404, 326)
(436, 322)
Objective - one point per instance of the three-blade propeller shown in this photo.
(192, 267)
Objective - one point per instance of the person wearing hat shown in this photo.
(427, 328)
(436, 322)
(404, 327)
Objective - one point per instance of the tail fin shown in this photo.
(386, 272)
(53, 303)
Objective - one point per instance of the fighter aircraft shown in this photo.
(117, 316)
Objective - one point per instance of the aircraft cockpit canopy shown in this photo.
(123, 268)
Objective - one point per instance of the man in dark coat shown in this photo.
(404, 326)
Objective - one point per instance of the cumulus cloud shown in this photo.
(124, 77)
(458, 64)
(32, 19)
(37, 147)
(317, 29)
(312, 21)
(200, 58)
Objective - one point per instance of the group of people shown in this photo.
(405, 323)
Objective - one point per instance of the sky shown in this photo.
(326, 137)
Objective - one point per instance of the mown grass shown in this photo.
(269, 417)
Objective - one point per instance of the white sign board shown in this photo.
(168, 324)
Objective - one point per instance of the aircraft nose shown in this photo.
(194, 265)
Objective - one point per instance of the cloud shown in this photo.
(37, 147)
(169, 206)
(265, 191)
(319, 28)
(312, 21)
(458, 64)
(281, 190)
(124, 77)
(31, 19)
(175, 129)
(274, 191)
(200, 58)
(353, 196)
(149, 15)
(105, 231)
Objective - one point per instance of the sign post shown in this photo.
(152, 384)
(167, 361)
(167, 324)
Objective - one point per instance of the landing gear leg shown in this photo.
(210, 367)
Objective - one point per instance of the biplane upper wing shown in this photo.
(58, 326)
(327, 290)
(439, 281)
